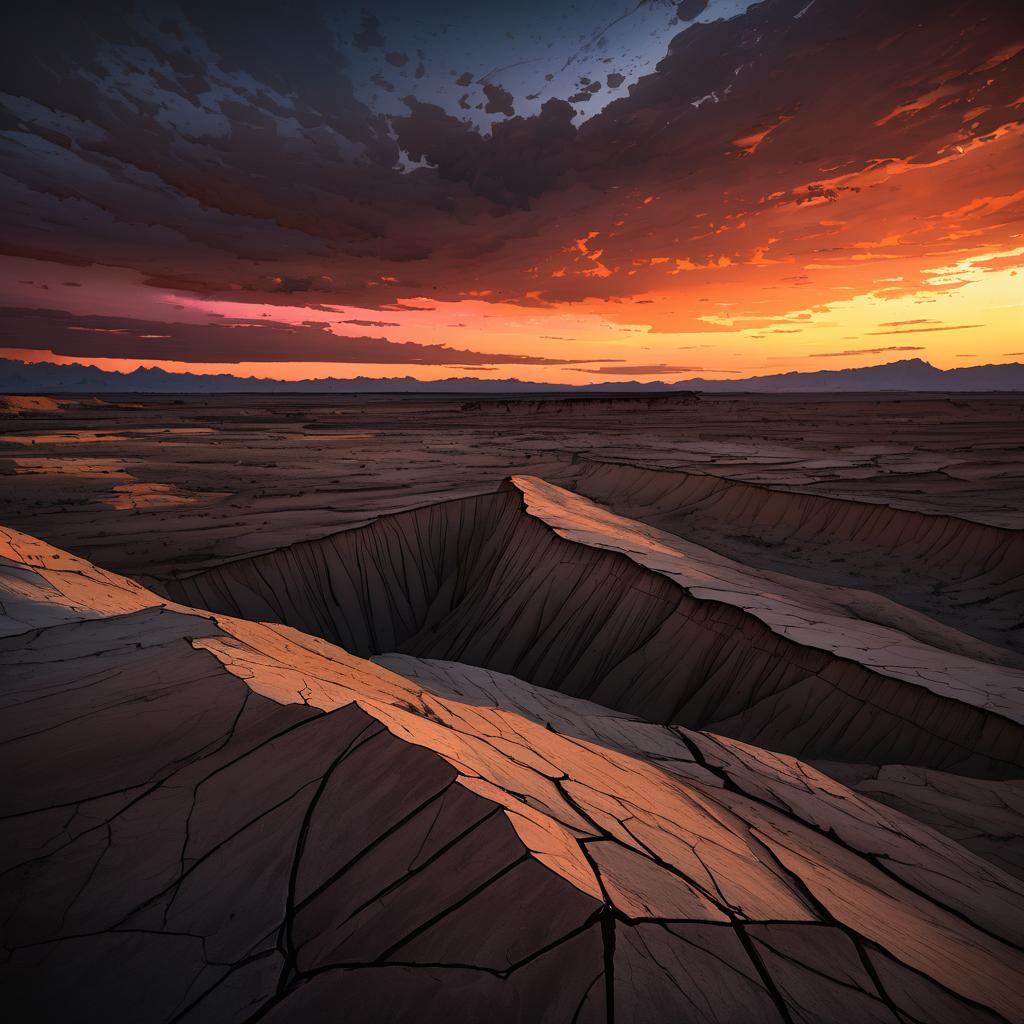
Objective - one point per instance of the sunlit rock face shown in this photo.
(238, 820)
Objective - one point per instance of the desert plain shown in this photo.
(604, 708)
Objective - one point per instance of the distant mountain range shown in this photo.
(17, 377)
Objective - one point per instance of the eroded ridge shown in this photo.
(985, 815)
(969, 575)
(240, 822)
(543, 584)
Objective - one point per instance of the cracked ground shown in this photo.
(609, 742)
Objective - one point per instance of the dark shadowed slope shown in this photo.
(966, 574)
(238, 822)
(543, 584)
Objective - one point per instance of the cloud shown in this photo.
(499, 100)
(226, 341)
(687, 10)
(866, 351)
(229, 156)
(368, 35)
(928, 330)
(619, 371)
(522, 157)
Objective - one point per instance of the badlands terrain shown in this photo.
(683, 708)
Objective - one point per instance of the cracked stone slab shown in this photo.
(240, 821)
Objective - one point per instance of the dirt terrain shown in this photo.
(706, 707)
(235, 475)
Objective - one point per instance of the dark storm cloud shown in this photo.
(499, 100)
(212, 117)
(220, 149)
(368, 35)
(522, 157)
(690, 9)
(227, 341)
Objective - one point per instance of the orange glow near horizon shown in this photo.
(966, 312)
(915, 260)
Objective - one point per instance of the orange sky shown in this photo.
(802, 228)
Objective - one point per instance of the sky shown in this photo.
(563, 193)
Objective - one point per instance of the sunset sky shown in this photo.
(560, 193)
